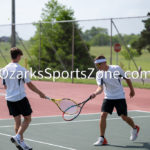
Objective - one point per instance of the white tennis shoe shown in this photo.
(101, 141)
(17, 141)
(25, 146)
(134, 133)
(20, 144)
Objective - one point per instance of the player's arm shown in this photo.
(26, 79)
(3, 80)
(5, 87)
(128, 81)
(35, 89)
(132, 92)
(4, 84)
(98, 91)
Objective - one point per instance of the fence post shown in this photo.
(13, 28)
(72, 52)
(40, 48)
(111, 41)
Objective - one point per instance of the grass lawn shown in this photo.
(5, 47)
(143, 60)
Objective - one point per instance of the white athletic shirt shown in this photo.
(111, 81)
(14, 77)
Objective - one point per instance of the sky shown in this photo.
(30, 11)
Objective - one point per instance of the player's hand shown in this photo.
(42, 95)
(93, 95)
(132, 93)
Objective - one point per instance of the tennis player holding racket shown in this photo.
(109, 78)
(14, 78)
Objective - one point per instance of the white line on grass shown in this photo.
(40, 142)
(77, 121)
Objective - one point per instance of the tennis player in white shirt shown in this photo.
(109, 79)
(14, 78)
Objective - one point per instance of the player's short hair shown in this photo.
(14, 52)
(100, 57)
(97, 59)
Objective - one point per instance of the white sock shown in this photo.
(18, 136)
(23, 142)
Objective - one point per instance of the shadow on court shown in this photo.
(144, 145)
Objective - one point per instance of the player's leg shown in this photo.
(25, 110)
(102, 140)
(128, 120)
(15, 112)
(22, 129)
(107, 107)
(24, 126)
(121, 108)
(135, 128)
(18, 139)
(17, 123)
(103, 123)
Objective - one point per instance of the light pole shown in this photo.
(13, 30)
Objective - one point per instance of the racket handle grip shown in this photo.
(90, 97)
(48, 98)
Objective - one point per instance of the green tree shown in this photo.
(56, 40)
(144, 40)
(96, 36)
(126, 55)
(130, 38)
(100, 40)
(115, 39)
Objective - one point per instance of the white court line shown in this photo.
(63, 122)
(40, 142)
(40, 117)
(78, 121)
(56, 116)
(142, 111)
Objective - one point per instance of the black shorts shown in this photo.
(119, 104)
(21, 107)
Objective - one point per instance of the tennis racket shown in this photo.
(62, 104)
(74, 111)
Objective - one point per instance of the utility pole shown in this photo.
(13, 26)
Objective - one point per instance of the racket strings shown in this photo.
(69, 117)
(74, 111)
(71, 113)
(65, 103)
